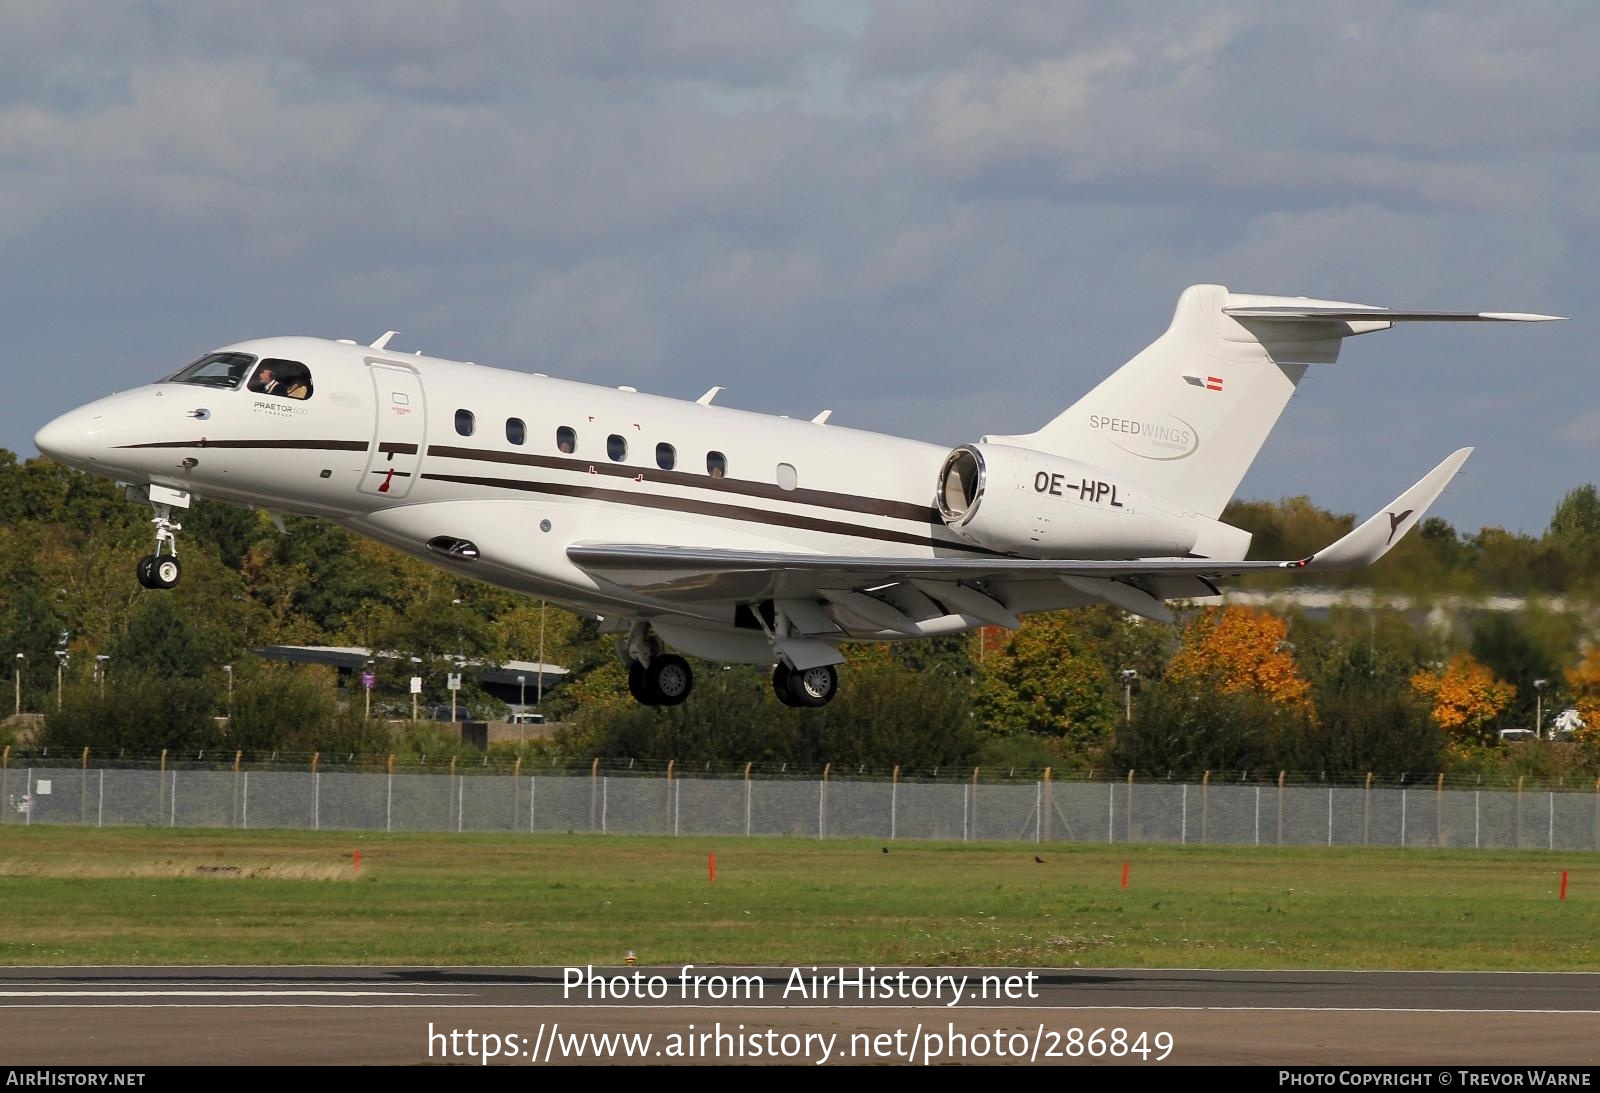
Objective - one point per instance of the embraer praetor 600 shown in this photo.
(742, 537)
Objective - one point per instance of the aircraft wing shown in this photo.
(700, 573)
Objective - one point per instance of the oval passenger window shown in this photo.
(465, 422)
(788, 477)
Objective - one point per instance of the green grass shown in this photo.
(140, 896)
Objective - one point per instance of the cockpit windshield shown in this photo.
(226, 370)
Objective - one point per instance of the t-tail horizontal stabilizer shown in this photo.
(1372, 540)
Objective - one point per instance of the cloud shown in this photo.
(942, 219)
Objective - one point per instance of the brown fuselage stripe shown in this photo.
(706, 508)
(847, 502)
(318, 445)
(871, 506)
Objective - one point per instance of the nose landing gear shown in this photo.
(162, 570)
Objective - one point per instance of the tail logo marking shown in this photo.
(1210, 383)
(1395, 522)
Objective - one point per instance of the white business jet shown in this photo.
(742, 537)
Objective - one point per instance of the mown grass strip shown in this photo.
(140, 896)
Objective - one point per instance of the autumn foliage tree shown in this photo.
(1239, 650)
(1050, 680)
(1466, 697)
(1583, 679)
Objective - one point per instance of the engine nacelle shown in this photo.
(1022, 501)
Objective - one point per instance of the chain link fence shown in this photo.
(1038, 811)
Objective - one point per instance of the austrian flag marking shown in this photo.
(1213, 383)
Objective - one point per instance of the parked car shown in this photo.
(525, 717)
(442, 713)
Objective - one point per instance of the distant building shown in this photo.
(510, 682)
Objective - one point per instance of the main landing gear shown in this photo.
(808, 689)
(162, 570)
(655, 678)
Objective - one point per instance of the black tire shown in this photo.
(165, 572)
(814, 687)
(637, 686)
(669, 678)
(780, 683)
(144, 571)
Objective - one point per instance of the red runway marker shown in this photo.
(1563, 884)
(712, 861)
(1124, 874)
(358, 861)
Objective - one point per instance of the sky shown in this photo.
(938, 219)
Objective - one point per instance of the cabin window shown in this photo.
(666, 456)
(516, 430)
(226, 370)
(788, 477)
(465, 422)
(716, 464)
(566, 439)
(617, 448)
(286, 379)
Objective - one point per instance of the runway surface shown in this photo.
(130, 1016)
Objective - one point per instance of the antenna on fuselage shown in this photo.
(383, 342)
(705, 399)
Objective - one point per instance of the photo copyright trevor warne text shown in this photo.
(1435, 1077)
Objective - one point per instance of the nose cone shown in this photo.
(72, 438)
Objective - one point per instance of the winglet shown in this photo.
(1372, 540)
(383, 340)
(705, 399)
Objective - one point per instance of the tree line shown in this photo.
(120, 669)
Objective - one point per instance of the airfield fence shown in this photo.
(1043, 810)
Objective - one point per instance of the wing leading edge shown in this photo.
(698, 572)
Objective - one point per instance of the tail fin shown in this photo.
(1188, 415)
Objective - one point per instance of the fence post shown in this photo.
(594, 793)
(83, 789)
(316, 757)
(1205, 793)
(5, 769)
(894, 801)
(975, 771)
(237, 756)
(1280, 808)
(747, 767)
(822, 801)
(1366, 812)
(1520, 777)
(1130, 806)
(388, 797)
(670, 764)
(516, 792)
(1438, 811)
(453, 795)
(1049, 806)
(1597, 813)
(161, 788)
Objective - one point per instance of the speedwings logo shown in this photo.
(1156, 436)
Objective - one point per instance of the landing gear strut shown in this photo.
(810, 688)
(162, 570)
